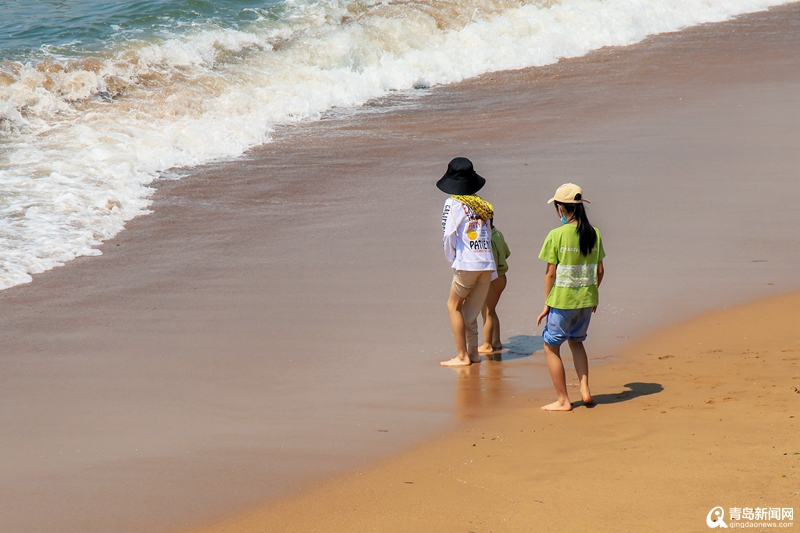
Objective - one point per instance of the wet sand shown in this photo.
(700, 415)
(279, 318)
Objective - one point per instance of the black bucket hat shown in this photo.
(460, 178)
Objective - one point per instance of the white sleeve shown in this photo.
(450, 220)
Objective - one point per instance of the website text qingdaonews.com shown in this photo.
(748, 525)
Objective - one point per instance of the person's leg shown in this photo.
(486, 347)
(472, 308)
(499, 288)
(454, 304)
(559, 377)
(578, 332)
(491, 323)
(495, 333)
(554, 335)
(463, 284)
(581, 362)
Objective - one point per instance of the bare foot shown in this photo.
(486, 348)
(586, 396)
(455, 361)
(557, 406)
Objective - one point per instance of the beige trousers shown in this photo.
(473, 286)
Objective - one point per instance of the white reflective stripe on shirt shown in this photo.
(576, 275)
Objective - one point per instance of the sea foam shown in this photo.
(83, 137)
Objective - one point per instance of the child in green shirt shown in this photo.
(574, 255)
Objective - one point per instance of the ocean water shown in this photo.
(99, 99)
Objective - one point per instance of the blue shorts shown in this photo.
(566, 324)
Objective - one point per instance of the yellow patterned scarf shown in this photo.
(481, 207)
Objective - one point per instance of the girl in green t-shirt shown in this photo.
(574, 255)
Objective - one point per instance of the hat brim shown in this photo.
(581, 201)
(451, 186)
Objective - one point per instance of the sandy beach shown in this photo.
(700, 415)
(265, 344)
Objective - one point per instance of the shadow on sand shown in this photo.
(517, 347)
(636, 389)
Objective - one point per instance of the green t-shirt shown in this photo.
(576, 275)
(500, 251)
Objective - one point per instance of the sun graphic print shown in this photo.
(472, 230)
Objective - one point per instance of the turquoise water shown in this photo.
(79, 26)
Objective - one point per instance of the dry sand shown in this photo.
(699, 415)
(279, 318)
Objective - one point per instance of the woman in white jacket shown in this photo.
(467, 241)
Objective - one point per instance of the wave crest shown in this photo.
(84, 137)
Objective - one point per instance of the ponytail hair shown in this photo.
(586, 232)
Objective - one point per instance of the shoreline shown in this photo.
(257, 331)
(694, 416)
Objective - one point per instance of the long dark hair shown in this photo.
(586, 232)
